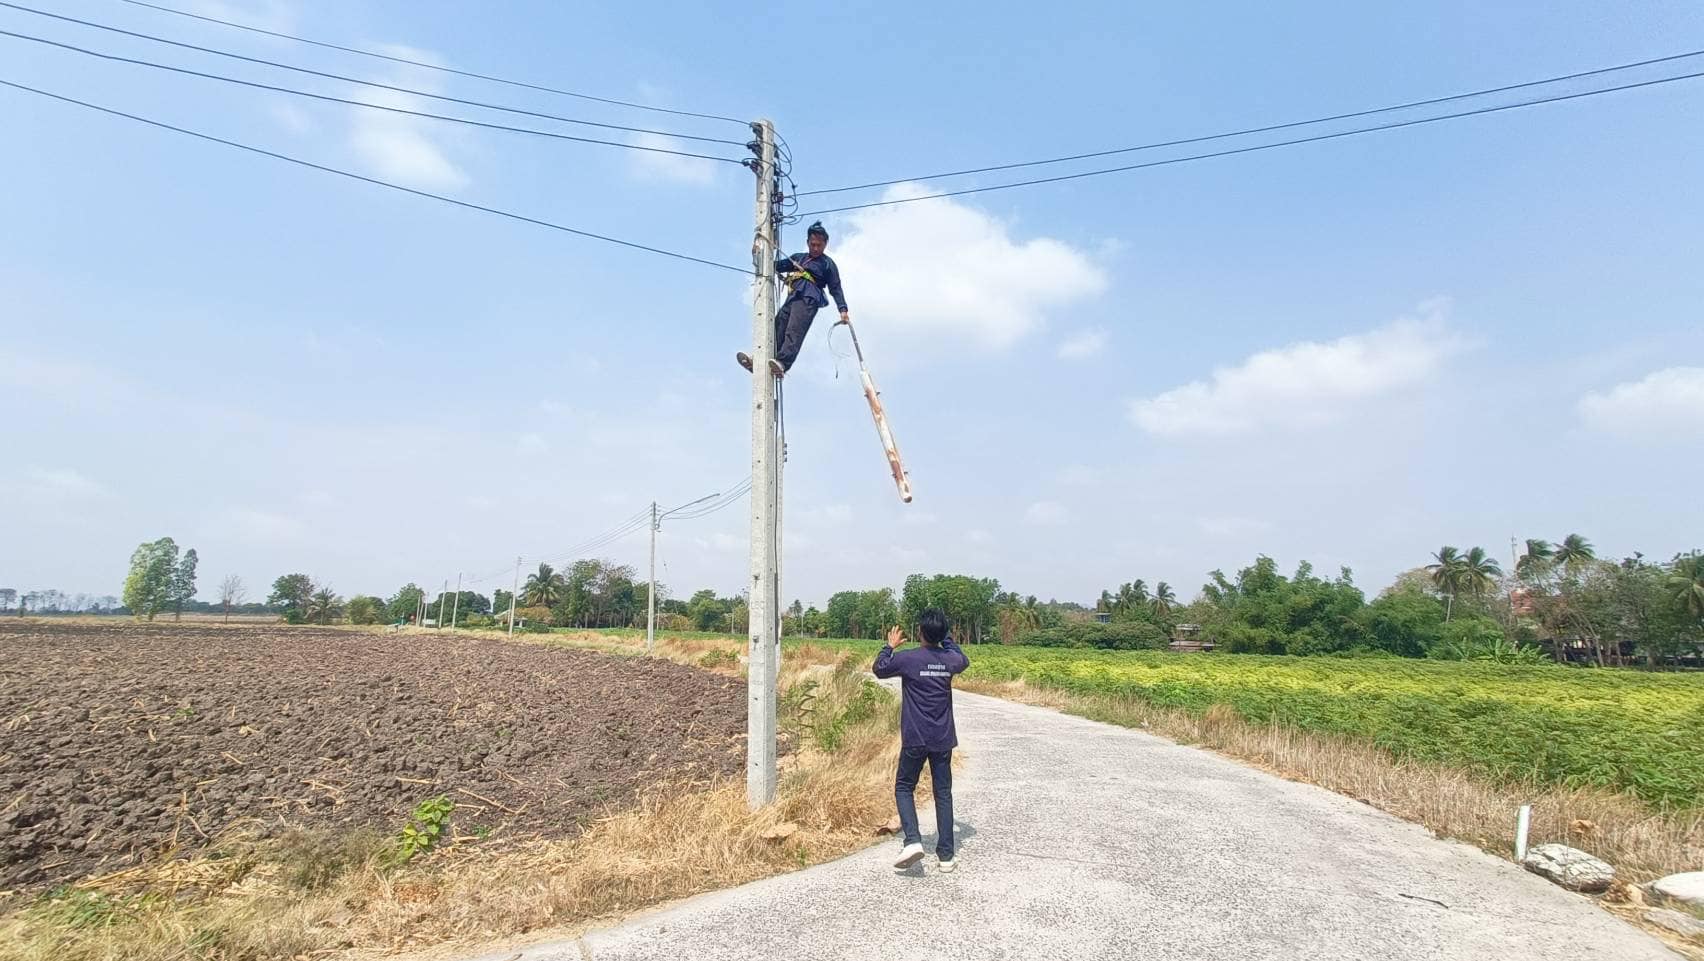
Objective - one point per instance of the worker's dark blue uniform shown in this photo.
(807, 277)
(926, 733)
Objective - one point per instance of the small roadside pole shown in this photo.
(515, 597)
(442, 597)
(1523, 823)
(455, 605)
(651, 607)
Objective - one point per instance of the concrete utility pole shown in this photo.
(455, 606)
(515, 597)
(651, 592)
(443, 596)
(765, 649)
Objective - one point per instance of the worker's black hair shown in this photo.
(933, 624)
(817, 228)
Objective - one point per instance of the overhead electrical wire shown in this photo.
(1266, 129)
(366, 83)
(373, 180)
(1259, 147)
(361, 103)
(430, 66)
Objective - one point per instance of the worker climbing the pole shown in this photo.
(806, 275)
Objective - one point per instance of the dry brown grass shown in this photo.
(321, 897)
(1642, 843)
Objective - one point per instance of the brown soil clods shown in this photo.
(118, 741)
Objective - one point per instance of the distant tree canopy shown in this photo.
(861, 614)
(158, 579)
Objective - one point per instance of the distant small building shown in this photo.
(1104, 617)
(1188, 639)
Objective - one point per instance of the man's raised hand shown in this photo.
(895, 637)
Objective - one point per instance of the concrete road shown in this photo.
(1085, 841)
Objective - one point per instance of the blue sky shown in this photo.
(1348, 352)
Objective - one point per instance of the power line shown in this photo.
(723, 501)
(366, 83)
(371, 180)
(1259, 147)
(430, 66)
(1266, 129)
(361, 103)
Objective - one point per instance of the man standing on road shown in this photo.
(926, 729)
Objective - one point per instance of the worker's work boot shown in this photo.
(744, 359)
(776, 369)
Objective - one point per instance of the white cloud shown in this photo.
(395, 146)
(1082, 345)
(649, 165)
(1664, 403)
(1046, 513)
(1304, 385)
(942, 269)
(50, 485)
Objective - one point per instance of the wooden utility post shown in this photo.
(764, 605)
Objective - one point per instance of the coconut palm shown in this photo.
(1574, 553)
(324, 606)
(1686, 584)
(1537, 559)
(1479, 571)
(1163, 600)
(544, 588)
(1446, 575)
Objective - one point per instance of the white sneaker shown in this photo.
(948, 867)
(911, 855)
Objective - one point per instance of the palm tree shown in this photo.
(323, 605)
(1687, 584)
(1574, 553)
(1140, 590)
(1537, 559)
(1479, 571)
(544, 588)
(1446, 574)
(1163, 600)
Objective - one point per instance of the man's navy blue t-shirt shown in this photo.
(926, 694)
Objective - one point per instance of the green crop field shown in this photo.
(1544, 724)
(1519, 723)
(1541, 723)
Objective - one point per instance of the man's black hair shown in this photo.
(934, 625)
(817, 228)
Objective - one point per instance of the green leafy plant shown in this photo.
(425, 827)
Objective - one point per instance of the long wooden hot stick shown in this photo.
(882, 431)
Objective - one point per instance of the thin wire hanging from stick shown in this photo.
(874, 397)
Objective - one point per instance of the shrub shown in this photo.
(1119, 636)
(535, 616)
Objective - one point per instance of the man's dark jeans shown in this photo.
(905, 786)
(792, 323)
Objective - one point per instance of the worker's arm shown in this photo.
(834, 288)
(885, 666)
(959, 663)
(784, 263)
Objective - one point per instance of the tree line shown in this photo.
(1560, 600)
